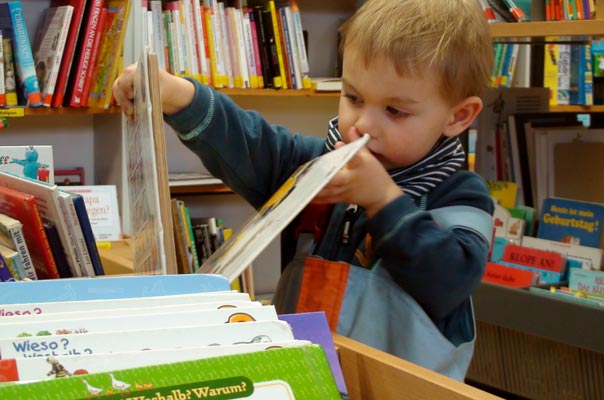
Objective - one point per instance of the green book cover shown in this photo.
(277, 374)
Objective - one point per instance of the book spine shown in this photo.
(256, 48)
(24, 60)
(224, 45)
(550, 72)
(563, 74)
(17, 237)
(284, 51)
(190, 40)
(85, 63)
(299, 33)
(587, 75)
(158, 31)
(263, 47)
(49, 88)
(292, 47)
(93, 57)
(278, 48)
(2, 87)
(201, 42)
(75, 232)
(242, 52)
(88, 234)
(10, 83)
(54, 240)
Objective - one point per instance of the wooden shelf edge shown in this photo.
(200, 189)
(54, 111)
(277, 93)
(550, 30)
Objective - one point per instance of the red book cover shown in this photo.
(536, 258)
(509, 276)
(94, 56)
(84, 62)
(70, 45)
(22, 206)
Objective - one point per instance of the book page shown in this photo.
(304, 184)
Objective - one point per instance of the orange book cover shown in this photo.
(509, 276)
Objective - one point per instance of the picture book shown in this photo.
(159, 337)
(58, 253)
(13, 25)
(23, 207)
(587, 257)
(8, 310)
(573, 297)
(49, 205)
(12, 236)
(300, 373)
(41, 368)
(509, 276)
(542, 259)
(102, 209)
(32, 161)
(313, 326)
(590, 282)
(7, 274)
(10, 83)
(109, 287)
(241, 249)
(572, 221)
(120, 312)
(116, 322)
(48, 48)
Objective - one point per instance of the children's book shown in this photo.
(160, 337)
(48, 48)
(588, 257)
(11, 236)
(109, 287)
(10, 83)
(44, 368)
(13, 25)
(23, 207)
(6, 274)
(237, 253)
(115, 321)
(572, 221)
(12, 262)
(300, 373)
(32, 161)
(589, 282)
(193, 299)
(102, 209)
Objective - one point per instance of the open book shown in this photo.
(232, 258)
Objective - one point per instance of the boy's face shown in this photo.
(404, 116)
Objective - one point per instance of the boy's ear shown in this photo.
(463, 115)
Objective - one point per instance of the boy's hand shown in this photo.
(363, 181)
(176, 93)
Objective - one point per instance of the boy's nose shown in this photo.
(366, 122)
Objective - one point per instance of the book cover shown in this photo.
(13, 25)
(41, 368)
(574, 297)
(550, 71)
(536, 258)
(12, 264)
(7, 273)
(48, 48)
(110, 287)
(93, 57)
(544, 276)
(23, 207)
(509, 276)
(253, 236)
(65, 71)
(83, 60)
(590, 282)
(175, 300)
(32, 161)
(572, 221)
(10, 83)
(2, 86)
(300, 373)
(50, 207)
(67, 342)
(12, 236)
(588, 257)
(67, 204)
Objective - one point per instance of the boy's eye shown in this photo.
(353, 99)
(396, 112)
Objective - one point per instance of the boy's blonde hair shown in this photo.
(450, 37)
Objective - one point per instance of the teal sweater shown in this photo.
(438, 268)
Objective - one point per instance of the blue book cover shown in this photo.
(571, 221)
(109, 287)
(12, 22)
(52, 234)
(95, 257)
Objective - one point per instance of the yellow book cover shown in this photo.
(550, 72)
(106, 69)
(277, 34)
(504, 192)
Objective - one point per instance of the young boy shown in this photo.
(412, 74)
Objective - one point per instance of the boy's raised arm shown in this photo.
(176, 93)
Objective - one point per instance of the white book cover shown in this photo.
(50, 207)
(42, 368)
(163, 336)
(32, 161)
(591, 258)
(232, 258)
(138, 321)
(121, 312)
(103, 210)
(9, 310)
(48, 52)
